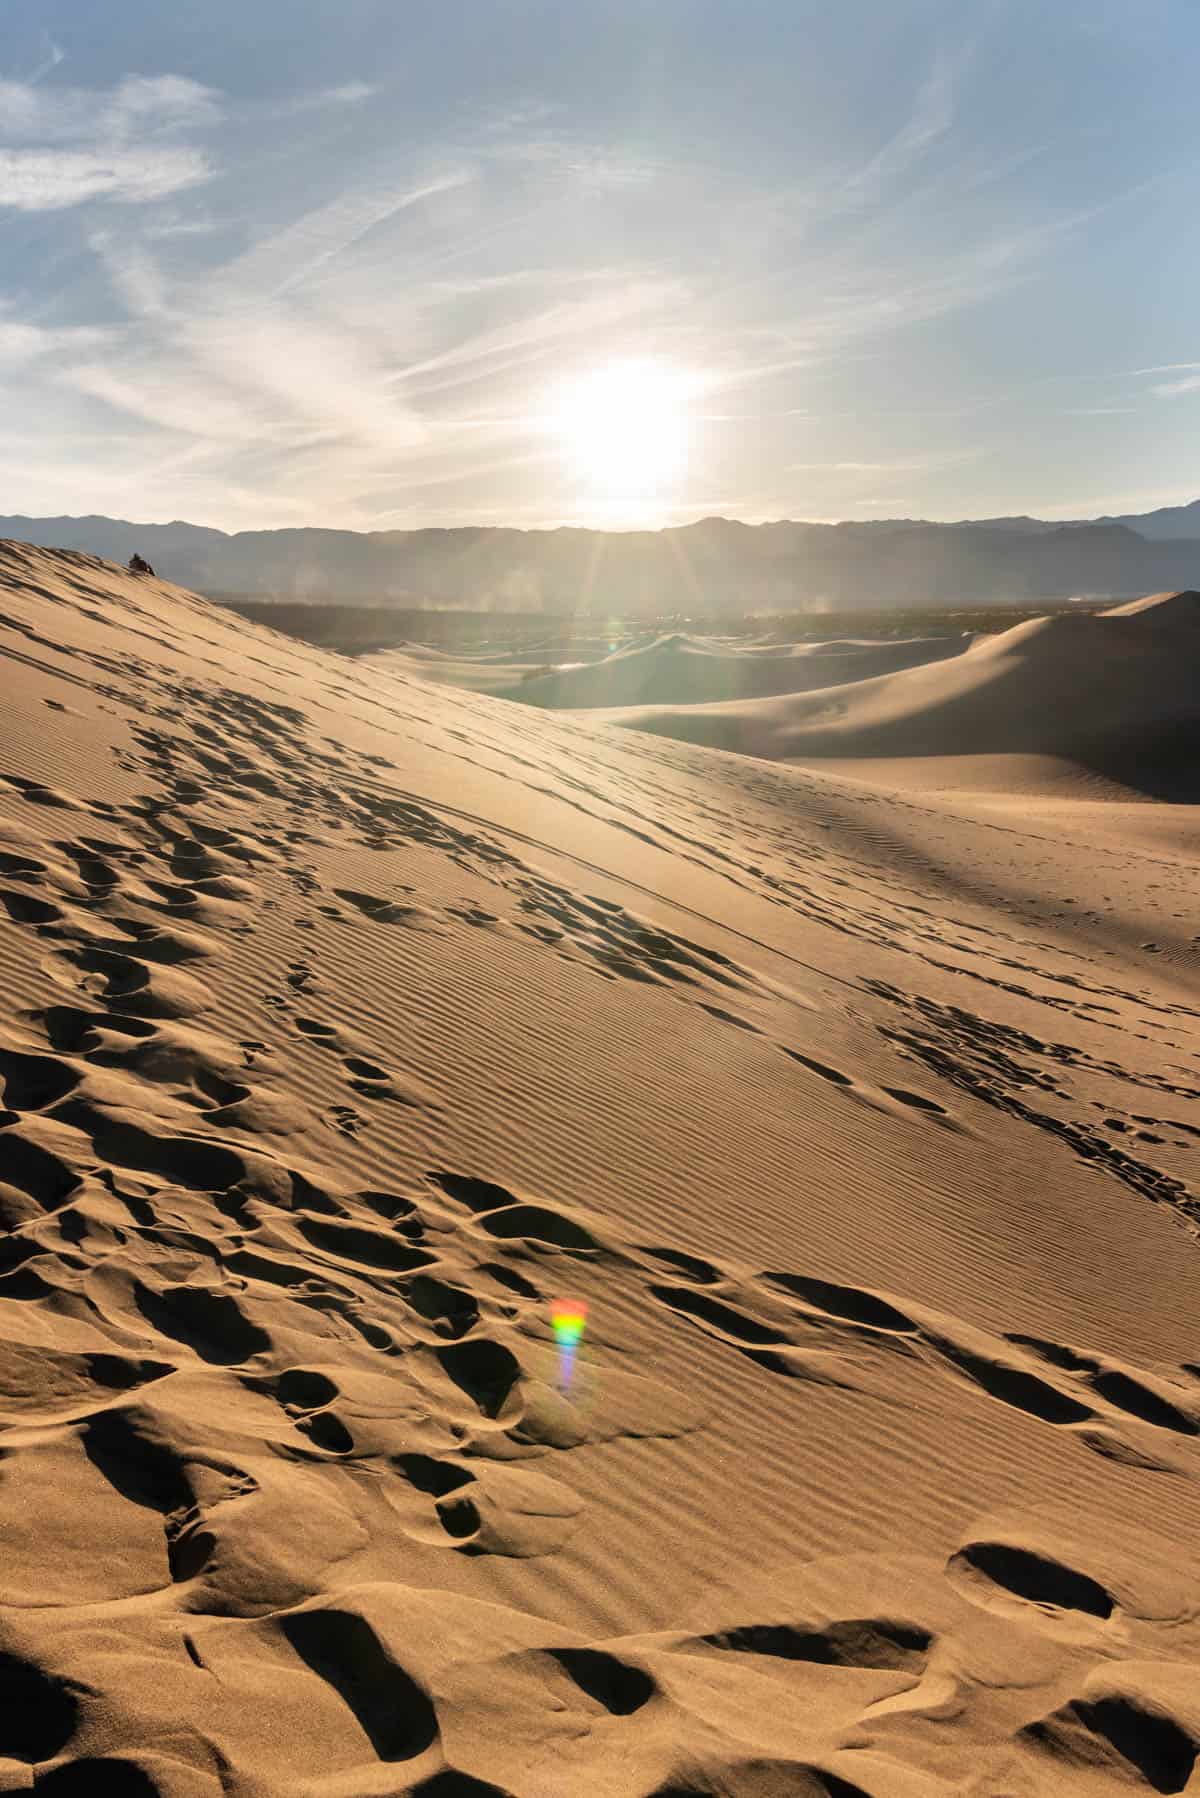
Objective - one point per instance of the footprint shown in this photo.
(41, 1711)
(380, 911)
(918, 1101)
(1025, 1391)
(720, 1320)
(363, 1244)
(206, 1321)
(450, 1310)
(1037, 1578)
(849, 1302)
(729, 1017)
(540, 1224)
(31, 1082)
(364, 1070)
(1112, 1731)
(312, 1027)
(617, 1686)
(818, 1067)
(867, 1642)
(693, 1266)
(485, 1370)
(1114, 1384)
(23, 908)
(1130, 1395)
(20, 867)
(479, 1195)
(394, 1713)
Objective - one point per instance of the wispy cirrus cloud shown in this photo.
(315, 100)
(53, 180)
(65, 146)
(291, 256)
(22, 343)
(1169, 390)
(929, 123)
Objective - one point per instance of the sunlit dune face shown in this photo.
(624, 428)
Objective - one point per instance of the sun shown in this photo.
(624, 427)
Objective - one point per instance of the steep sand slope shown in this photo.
(1115, 694)
(347, 1024)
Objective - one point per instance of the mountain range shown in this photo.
(718, 565)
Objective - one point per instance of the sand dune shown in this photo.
(348, 1022)
(679, 670)
(1114, 695)
(671, 670)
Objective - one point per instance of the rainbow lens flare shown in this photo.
(569, 1318)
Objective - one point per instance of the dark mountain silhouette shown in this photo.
(717, 565)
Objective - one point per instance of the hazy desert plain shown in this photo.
(821, 1022)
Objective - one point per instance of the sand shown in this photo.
(1112, 696)
(349, 1021)
(674, 670)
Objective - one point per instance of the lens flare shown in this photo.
(569, 1320)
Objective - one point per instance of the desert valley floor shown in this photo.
(349, 1020)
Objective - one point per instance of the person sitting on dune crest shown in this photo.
(139, 565)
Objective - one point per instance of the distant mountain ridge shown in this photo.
(716, 565)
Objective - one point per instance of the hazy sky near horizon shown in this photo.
(304, 263)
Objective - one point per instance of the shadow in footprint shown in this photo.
(479, 1195)
(430, 1475)
(1035, 1577)
(538, 1223)
(370, 1248)
(1129, 1395)
(137, 1465)
(917, 1101)
(858, 1642)
(450, 1783)
(722, 1318)
(304, 1388)
(208, 1322)
(486, 1371)
(36, 1171)
(451, 1310)
(23, 908)
(1015, 1387)
(833, 1075)
(40, 1712)
(392, 1711)
(617, 1685)
(115, 1777)
(845, 1301)
(1161, 1751)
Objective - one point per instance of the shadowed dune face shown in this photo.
(1115, 694)
(356, 1030)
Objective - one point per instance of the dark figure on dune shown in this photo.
(139, 565)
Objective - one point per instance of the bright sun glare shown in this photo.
(624, 428)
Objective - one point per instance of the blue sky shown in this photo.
(306, 263)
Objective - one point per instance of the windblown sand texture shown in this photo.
(351, 1022)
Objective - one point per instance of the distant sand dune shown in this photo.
(1116, 695)
(681, 670)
